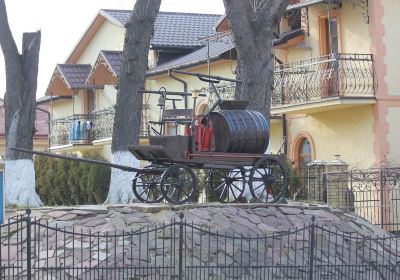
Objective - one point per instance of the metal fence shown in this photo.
(373, 194)
(35, 249)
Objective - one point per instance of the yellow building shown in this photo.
(335, 85)
(82, 116)
(335, 79)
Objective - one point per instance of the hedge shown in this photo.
(66, 182)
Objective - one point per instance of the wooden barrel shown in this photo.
(239, 131)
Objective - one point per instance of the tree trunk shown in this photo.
(252, 23)
(129, 100)
(20, 112)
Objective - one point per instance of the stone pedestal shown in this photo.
(315, 181)
(337, 183)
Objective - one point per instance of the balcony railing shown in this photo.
(59, 132)
(77, 129)
(84, 129)
(103, 123)
(350, 75)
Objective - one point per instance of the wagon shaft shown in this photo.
(91, 161)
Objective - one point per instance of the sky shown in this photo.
(63, 22)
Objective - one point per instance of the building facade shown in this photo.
(335, 90)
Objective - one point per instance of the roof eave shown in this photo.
(182, 66)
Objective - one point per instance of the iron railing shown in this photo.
(336, 75)
(103, 123)
(350, 75)
(36, 249)
(76, 129)
(59, 132)
(373, 194)
(83, 129)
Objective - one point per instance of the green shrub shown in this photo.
(67, 182)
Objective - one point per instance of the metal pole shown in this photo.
(382, 196)
(180, 275)
(28, 244)
(312, 245)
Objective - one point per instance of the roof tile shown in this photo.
(114, 60)
(216, 48)
(75, 74)
(173, 30)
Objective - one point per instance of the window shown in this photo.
(91, 100)
(329, 33)
(332, 39)
(304, 155)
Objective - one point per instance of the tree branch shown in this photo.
(30, 58)
(7, 42)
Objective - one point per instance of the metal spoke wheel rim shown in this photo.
(268, 180)
(227, 185)
(146, 187)
(178, 184)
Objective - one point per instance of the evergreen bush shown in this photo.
(66, 182)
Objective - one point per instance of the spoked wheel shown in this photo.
(227, 185)
(146, 187)
(178, 184)
(268, 180)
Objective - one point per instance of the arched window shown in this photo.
(304, 154)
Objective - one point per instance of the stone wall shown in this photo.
(242, 241)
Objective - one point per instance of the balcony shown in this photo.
(324, 83)
(86, 129)
(77, 129)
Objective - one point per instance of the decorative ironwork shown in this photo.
(81, 129)
(227, 91)
(76, 129)
(364, 5)
(59, 132)
(103, 121)
(373, 194)
(328, 76)
(298, 18)
(35, 249)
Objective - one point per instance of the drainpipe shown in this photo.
(284, 134)
(184, 86)
(284, 123)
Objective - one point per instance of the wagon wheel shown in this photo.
(227, 185)
(178, 184)
(146, 187)
(268, 180)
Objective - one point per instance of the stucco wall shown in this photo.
(393, 136)
(354, 33)
(391, 40)
(80, 100)
(275, 136)
(108, 37)
(61, 109)
(348, 132)
(106, 97)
